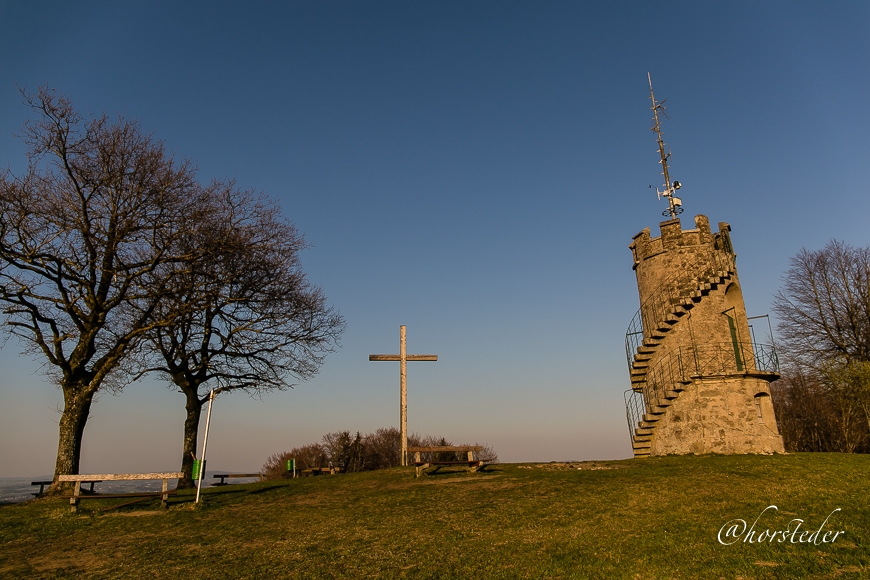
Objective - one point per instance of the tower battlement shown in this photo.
(674, 237)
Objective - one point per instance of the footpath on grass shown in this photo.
(781, 516)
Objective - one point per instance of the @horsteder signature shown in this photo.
(736, 529)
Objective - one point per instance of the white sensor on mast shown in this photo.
(675, 204)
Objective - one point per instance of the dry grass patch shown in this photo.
(136, 514)
(64, 561)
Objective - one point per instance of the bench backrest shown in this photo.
(121, 476)
(454, 448)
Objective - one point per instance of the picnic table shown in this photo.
(224, 476)
(472, 463)
(318, 471)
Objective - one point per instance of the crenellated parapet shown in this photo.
(677, 259)
(644, 247)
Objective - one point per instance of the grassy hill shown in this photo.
(637, 519)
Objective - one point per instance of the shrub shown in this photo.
(307, 457)
(353, 453)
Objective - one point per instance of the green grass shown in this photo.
(643, 519)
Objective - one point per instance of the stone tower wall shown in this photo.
(720, 415)
(720, 400)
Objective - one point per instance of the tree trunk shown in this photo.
(191, 431)
(77, 406)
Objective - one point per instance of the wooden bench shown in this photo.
(262, 476)
(317, 471)
(79, 479)
(472, 463)
(42, 485)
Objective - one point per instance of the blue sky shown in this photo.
(473, 170)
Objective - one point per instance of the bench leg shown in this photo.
(74, 500)
(164, 497)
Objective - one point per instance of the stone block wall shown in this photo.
(720, 415)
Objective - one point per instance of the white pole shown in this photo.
(204, 444)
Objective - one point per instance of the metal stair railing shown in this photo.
(634, 410)
(685, 363)
(670, 294)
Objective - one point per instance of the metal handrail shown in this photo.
(634, 410)
(670, 294)
(685, 363)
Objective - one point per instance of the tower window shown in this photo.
(758, 405)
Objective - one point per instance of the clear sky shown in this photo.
(473, 170)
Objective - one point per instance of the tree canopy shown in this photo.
(824, 305)
(111, 247)
(246, 318)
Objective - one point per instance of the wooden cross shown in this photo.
(403, 358)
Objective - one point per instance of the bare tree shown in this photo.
(848, 384)
(245, 317)
(824, 305)
(85, 235)
(383, 448)
(824, 311)
(814, 417)
(345, 452)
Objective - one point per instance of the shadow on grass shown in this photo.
(437, 471)
(266, 488)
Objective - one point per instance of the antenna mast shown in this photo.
(675, 204)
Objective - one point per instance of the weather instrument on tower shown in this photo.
(675, 204)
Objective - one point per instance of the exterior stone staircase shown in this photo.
(658, 392)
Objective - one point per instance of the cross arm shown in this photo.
(398, 357)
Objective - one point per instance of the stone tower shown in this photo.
(699, 383)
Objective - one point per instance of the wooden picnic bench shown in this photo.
(317, 471)
(472, 463)
(79, 479)
(262, 476)
(42, 485)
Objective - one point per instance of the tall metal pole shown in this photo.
(204, 445)
(668, 187)
(403, 379)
